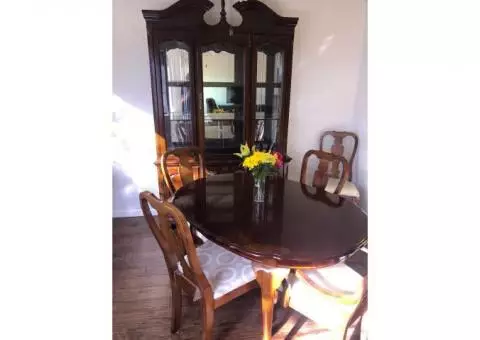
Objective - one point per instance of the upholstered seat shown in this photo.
(224, 270)
(328, 311)
(339, 279)
(349, 189)
(330, 296)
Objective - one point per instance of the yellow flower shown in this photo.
(257, 158)
(244, 151)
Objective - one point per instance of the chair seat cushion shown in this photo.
(324, 310)
(327, 311)
(224, 270)
(349, 189)
(339, 279)
(344, 278)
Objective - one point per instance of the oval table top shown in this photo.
(293, 228)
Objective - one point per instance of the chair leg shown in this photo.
(286, 314)
(207, 318)
(176, 305)
(300, 322)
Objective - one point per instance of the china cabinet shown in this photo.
(217, 86)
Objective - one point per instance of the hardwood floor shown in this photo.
(141, 297)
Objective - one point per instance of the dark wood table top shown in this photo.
(297, 226)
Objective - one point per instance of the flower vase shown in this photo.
(259, 190)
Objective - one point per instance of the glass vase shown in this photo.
(259, 190)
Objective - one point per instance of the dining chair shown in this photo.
(338, 149)
(335, 185)
(335, 297)
(208, 273)
(180, 166)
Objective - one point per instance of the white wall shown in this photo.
(133, 133)
(359, 126)
(326, 94)
(328, 77)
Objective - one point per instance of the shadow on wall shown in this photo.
(133, 171)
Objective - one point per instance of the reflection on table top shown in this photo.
(292, 228)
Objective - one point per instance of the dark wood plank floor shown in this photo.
(141, 296)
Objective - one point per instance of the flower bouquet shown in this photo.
(260, 164)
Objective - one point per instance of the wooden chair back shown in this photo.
(176, 243)
(322, 174)
(181, 166)
(338, 149)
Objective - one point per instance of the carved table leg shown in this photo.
(269, 281)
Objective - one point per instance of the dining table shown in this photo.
(296, 227)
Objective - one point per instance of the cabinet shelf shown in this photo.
(221, 84)
(276, 85)
(178, 83)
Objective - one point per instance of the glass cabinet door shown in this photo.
(176, 93)
(223, 93)
(268, 97)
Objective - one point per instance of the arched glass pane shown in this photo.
(176, 93)
(178, 65)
